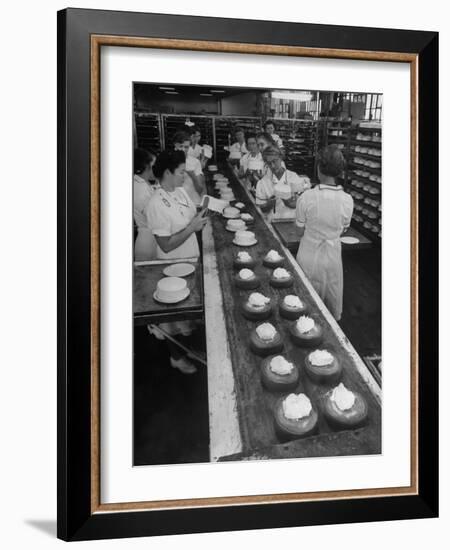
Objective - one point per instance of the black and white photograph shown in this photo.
(256, 273)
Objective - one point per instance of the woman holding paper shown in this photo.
(174, 222)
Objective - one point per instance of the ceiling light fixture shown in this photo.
(217, 91)
(207, 95)
(166, 88)
(173, 93)
(297, 96)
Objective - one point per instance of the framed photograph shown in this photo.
(247, 255)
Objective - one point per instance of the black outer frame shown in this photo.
(75, 521)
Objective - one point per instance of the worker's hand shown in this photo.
(198, 222)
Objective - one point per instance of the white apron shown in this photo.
(319, 253)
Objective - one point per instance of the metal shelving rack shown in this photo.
(148, 131)
(364, 180)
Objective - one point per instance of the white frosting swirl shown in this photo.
(342, 397)
(280, 273)
(244, 256)
(256, 299)
(320, 358)
(279, 365)
(246, 274)
(296, 406)
(266, 331)
(293, 301)
(305, 324)
(239, 205)
(273, 256)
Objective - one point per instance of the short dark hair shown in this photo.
(181, 136)
(331, 161)
(268, 121)
(238, 129)
(250, 136)
(168, 160)
(142, 158)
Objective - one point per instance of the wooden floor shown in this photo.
(171, 409)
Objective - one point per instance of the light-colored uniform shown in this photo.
(324, 212)
(192, 165)
(145, 244)
(270, 186)
(195, 151)
(169, 213)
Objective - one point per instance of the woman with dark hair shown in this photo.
(238, 141)
(195, 149)
(251, 163)
(171, 213)
(194, 181)
(174, 221)
(323, 214)
(269, 128)
(263, 141)
(145, 244)
(277, 191)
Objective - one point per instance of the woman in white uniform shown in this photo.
(278, 190)
(194, 180)
(323, 214)
(174, 221)
(145, 244)
(269, 128)
(239, 141)
(251, 164)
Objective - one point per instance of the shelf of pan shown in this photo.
(363, 155)
(352, 175)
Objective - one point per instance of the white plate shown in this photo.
(247, 244)
(173, 301)
(179, 270)
(349, 240)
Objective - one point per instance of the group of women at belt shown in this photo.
(168, 189)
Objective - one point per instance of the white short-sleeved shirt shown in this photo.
(246, 159)
(142, 193)
(270, 186)
(242, 148)
(195, 151)
(169, 213)
(324, 212)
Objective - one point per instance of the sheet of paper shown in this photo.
(216, 205)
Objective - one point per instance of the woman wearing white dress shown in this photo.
(278, 190)
(145, 244)
(239, 141)
(253, 156)
(269, 128)
(174, 222)
(323, 214)
(194, 180)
